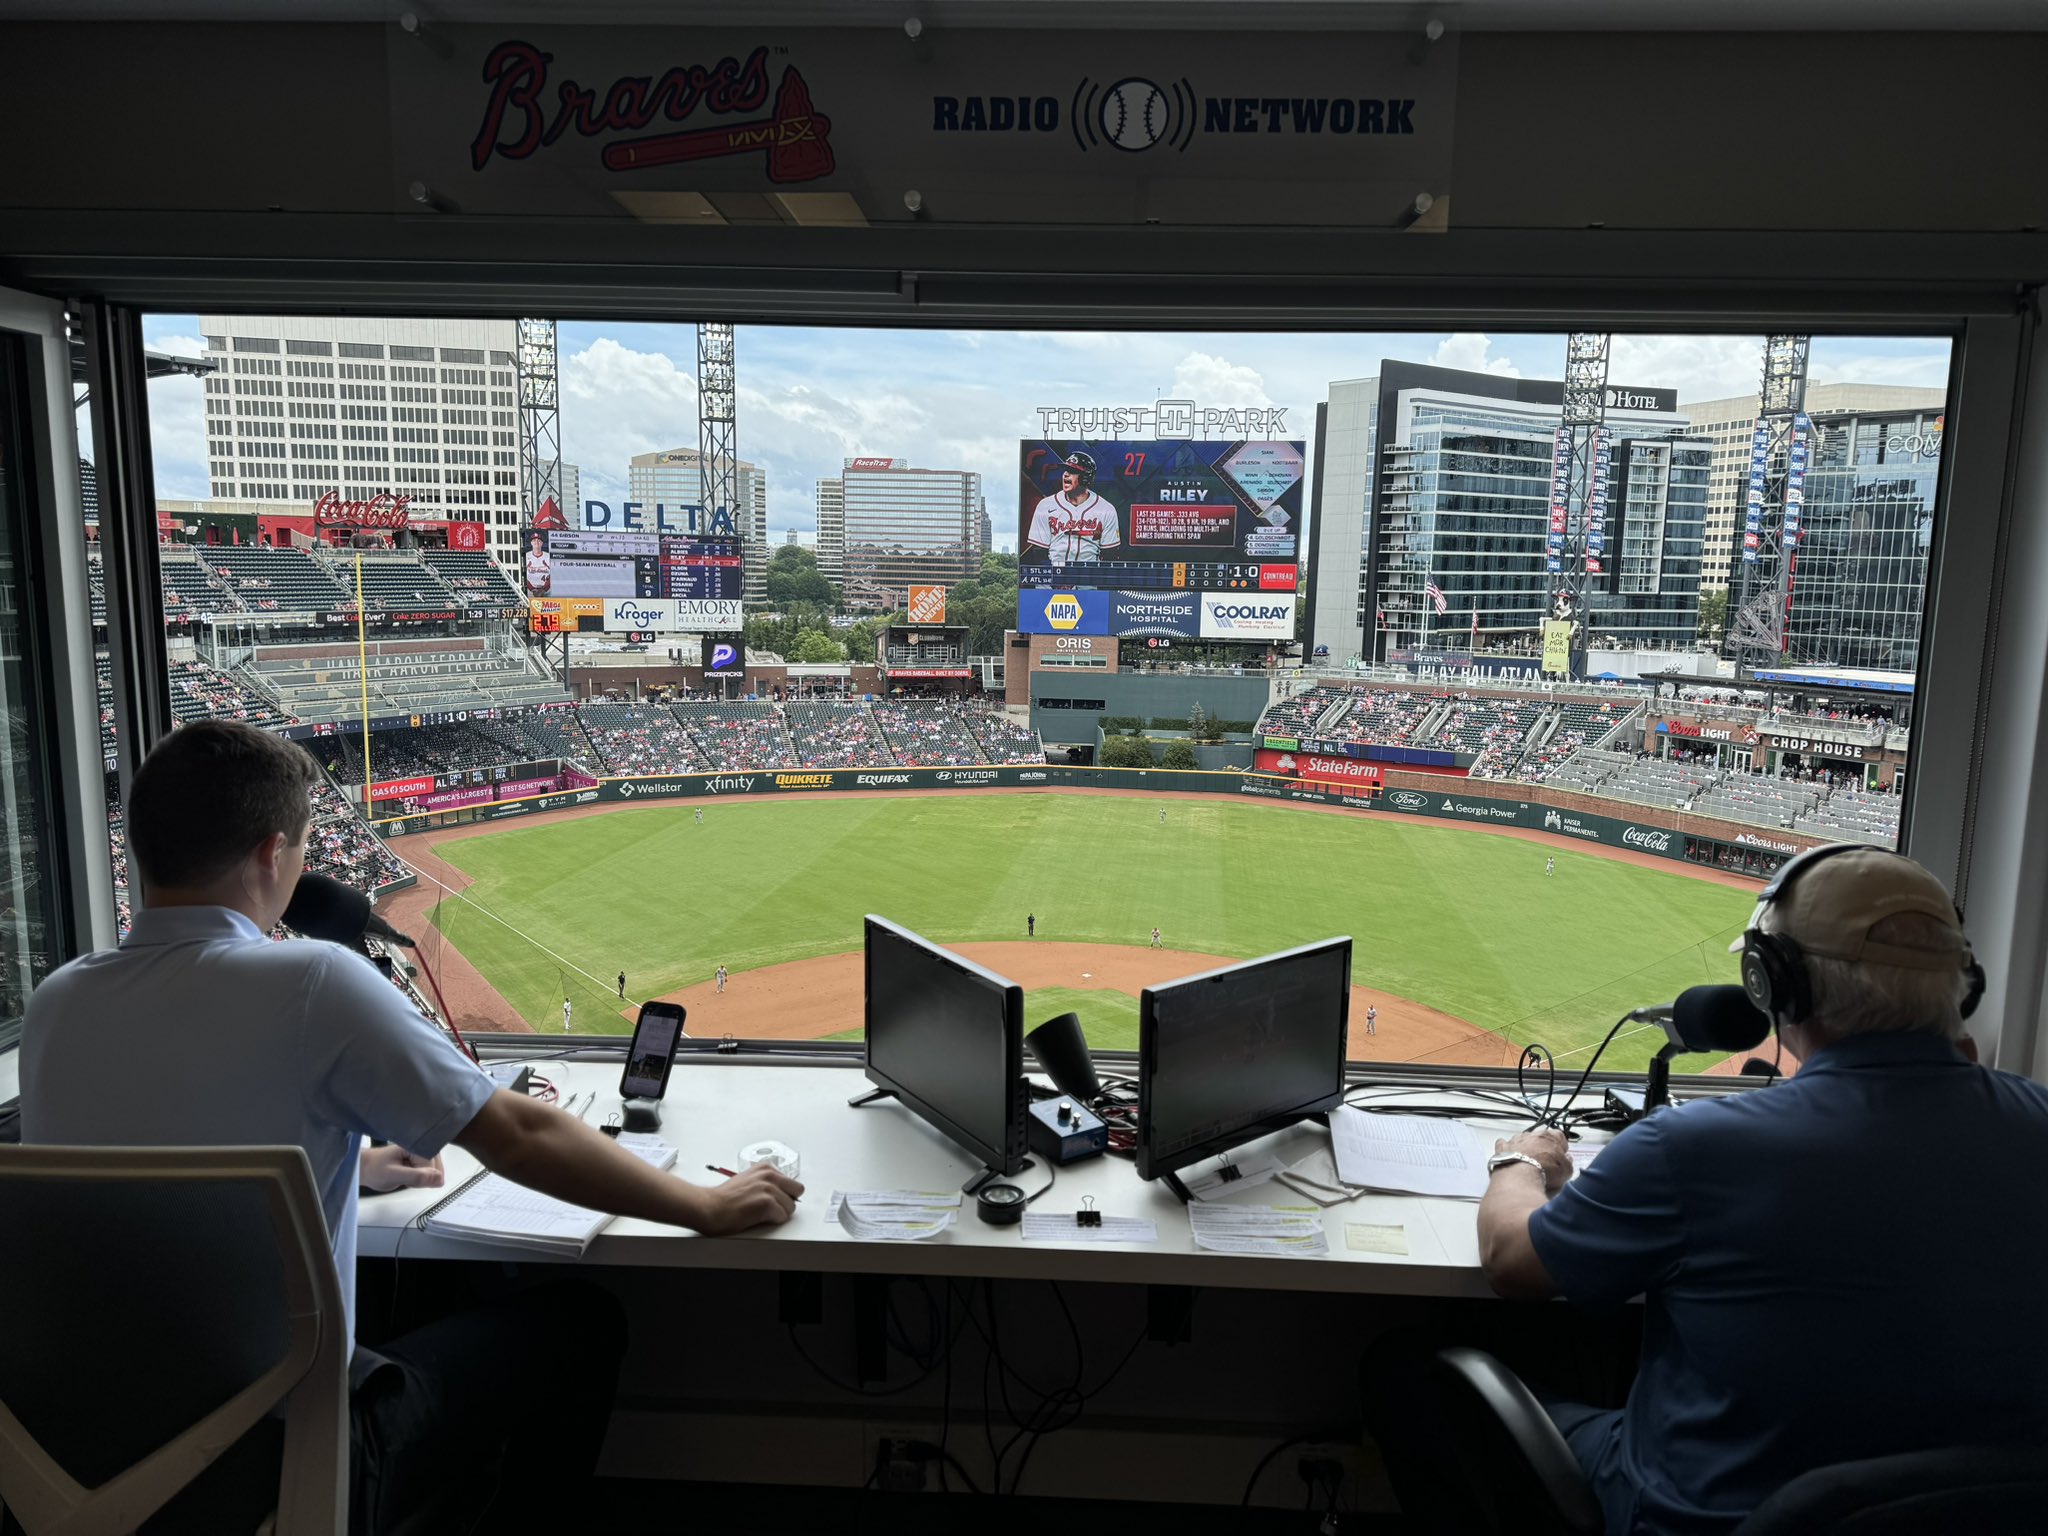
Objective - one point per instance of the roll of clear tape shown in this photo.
(782, 1158)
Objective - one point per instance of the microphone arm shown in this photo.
(1657, 1084)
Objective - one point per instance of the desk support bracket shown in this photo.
(1170, 1314)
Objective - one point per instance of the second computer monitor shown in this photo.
(1230, 1055)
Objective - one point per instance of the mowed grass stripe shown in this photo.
(1450, 917)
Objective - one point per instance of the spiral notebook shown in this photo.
(490, 1208)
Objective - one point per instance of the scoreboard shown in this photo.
(1179, 576)
(583, 563)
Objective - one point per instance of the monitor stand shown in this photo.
(1172, 1182)
(973, 1185)
(870, 1097)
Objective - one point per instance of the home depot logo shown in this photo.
(927, 605)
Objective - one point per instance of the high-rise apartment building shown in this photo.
(832, 529)
(1453, 542)
(1730, 425)
(572, 495)
(427, 410)
(673, 479)
(906, 526)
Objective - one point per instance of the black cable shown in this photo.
(1052, 1174)
(1266, 1461)
(858, 1391)
(1587, 1075)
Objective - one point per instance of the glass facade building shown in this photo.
(673, 479)
(1464, 506)
(905, 526)
(1859, 582)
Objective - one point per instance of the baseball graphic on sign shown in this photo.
(1134, 114)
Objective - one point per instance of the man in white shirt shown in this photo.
(226, 1038)
(1075, 524)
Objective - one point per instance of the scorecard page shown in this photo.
(1407, 1154)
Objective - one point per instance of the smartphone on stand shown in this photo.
(649, 1060)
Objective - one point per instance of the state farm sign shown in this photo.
(1309, 765)
(380, 511)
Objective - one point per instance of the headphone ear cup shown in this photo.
(1774, 976)
(1975, 992)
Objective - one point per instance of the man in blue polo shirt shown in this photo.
(226, 1038)
(1818, 1259)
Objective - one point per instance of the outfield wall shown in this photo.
(1650, 829)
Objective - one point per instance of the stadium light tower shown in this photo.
(1773, 506)
(1577, 556)
(540, 419)
(718, 424)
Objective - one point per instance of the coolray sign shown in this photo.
(1166, 616)
(877, 780)
(803, 781)
(1406, 800)
(968, 776)
(1649, 839)
(1229, 616)
(1172, 419)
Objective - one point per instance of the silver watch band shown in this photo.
(1501, 1159)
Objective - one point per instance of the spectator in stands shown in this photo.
(303, 1042)
(1760, 1314)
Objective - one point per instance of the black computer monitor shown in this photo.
(1230, 1055)
(946, 1036)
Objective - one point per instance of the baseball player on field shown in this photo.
(1074, 525)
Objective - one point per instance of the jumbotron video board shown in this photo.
(1161, 516)
(1175, 538)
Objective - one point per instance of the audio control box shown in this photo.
(1062, 1131)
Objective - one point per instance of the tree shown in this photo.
(1126, 752)
(793, 577)
(1178, 754)
(814, 645)
(1713, 613)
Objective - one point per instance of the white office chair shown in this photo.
(156, 1304)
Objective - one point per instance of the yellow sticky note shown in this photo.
(1365, 1237)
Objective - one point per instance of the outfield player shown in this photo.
(622, 986)
(1550, 865)
(1155, 937)
(1074, 525)
(700, 815)
(565, 1015)
(721, 978)
(1372, 1019)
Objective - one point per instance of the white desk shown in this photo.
(714, 1108)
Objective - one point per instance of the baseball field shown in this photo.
(1464, 944)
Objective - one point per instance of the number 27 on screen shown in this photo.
(1134, 465)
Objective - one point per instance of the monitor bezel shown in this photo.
(1153, 1165)
(1008, 1158)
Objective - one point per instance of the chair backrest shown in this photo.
(1983, 1490)
(155, 1304)
(1524, 1477)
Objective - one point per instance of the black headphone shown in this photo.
(1774, 972)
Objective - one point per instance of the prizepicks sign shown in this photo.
(646, 122)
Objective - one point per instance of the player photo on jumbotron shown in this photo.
(1161, 513)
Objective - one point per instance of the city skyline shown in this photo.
(810, 397)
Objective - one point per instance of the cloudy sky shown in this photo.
(810, 397)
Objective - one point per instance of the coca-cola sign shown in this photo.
(383, 510)
(1650, 839)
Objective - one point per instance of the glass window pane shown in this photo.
(28, 868)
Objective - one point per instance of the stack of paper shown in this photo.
(1288, 1231)
(1407, 1154)
(492, 1209)
(893, 1215)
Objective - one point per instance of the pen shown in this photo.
(714, 1168)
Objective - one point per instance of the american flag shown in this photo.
(1435, 594)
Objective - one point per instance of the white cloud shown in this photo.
(1698, 367)
(617, 402)
(1217, 381)
(1927, 370)
(1473, 352)
(177, 425)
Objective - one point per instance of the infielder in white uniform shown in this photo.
(1075, 525)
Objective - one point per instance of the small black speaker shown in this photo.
(1062, 1050)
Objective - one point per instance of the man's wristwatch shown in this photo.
(1500, 1160)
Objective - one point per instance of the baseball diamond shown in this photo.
(1461, 940)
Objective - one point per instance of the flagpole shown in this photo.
(363, 671)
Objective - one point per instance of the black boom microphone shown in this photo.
(325, 908)
(1718, 1018)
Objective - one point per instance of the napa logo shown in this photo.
(1063, 611)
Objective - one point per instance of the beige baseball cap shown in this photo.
(1831, 908)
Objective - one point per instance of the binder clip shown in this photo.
(728, 1045)
(1230, 1173)
(611, 1124)
(1087, 1216)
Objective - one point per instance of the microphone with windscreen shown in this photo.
(325, 908)
(1720, 1018)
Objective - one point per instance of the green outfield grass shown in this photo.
(1456, 919)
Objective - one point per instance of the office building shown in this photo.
(674, 479)
(571, 497)
(1345, 424)
(832, 529)
(1730, 425)
(427, 410)
(906, 526)
(1462, 471)
(988, 529)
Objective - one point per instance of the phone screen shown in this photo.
(652, 1051)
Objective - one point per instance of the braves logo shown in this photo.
(1081, 525)
(516, 123)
